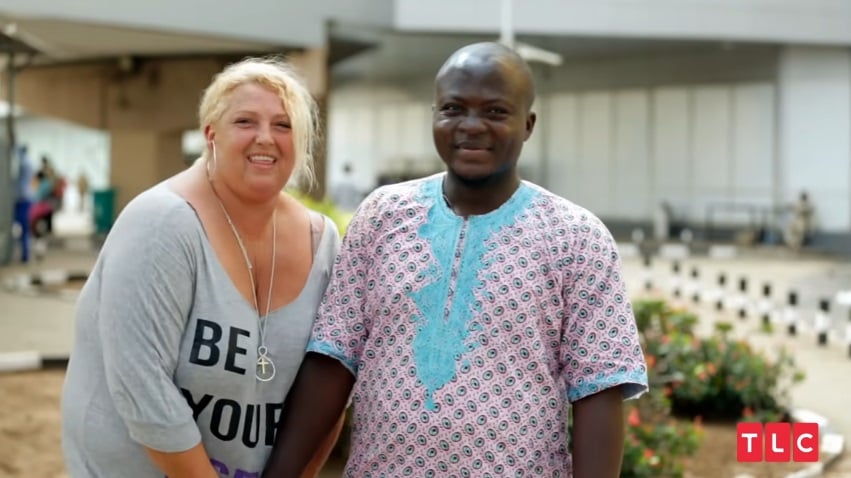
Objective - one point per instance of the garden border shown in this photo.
(831, 443)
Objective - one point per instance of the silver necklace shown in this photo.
(264, 368)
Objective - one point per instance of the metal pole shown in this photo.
(506, 36)
(7, 195)
(10, 94)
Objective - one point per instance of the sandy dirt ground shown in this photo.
(30, 435)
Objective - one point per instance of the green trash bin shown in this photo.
(104, 209)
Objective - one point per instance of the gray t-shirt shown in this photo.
(166, 346)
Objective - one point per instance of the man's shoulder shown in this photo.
(391, 195)
(555, 206)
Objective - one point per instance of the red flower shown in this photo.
(634, 419)
(651, 361)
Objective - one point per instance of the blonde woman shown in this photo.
(195, 319)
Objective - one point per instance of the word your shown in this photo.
(777, 442)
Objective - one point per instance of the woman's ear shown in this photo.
(209, 134)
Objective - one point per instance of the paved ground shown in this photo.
(30, 320)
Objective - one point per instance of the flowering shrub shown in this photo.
(718, 377)
(656, 444)
(695, 378)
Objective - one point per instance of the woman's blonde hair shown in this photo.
(277, 75)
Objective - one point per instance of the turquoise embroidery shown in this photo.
(442, 340)
(438, 344)
(633, 384)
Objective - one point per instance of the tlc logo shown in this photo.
(781, 441)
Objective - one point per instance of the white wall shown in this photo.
(691, 146)
(378, 129)
(72, 149)
(618, 152)
(815, 125)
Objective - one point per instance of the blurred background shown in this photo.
(714, 115)
(697, 123)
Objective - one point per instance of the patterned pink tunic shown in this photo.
(469, 337)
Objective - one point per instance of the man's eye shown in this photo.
(450, 108)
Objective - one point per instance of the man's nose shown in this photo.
(471, 122)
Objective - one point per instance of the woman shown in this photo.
(195, 319)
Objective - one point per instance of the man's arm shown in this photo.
(321, 456)
(314, 405)
(598, 435)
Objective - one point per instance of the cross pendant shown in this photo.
(262, 362)
(265, 369)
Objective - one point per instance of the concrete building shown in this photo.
(725, 110)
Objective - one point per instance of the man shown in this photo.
(23, 200)
(468, 309)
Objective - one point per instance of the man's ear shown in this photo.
(530, 124)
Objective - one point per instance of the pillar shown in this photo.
(141, 159)
(7, 203)
(314, 67)
(814, 90)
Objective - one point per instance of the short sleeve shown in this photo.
(600, 345)
(145, 294)
(342, 323)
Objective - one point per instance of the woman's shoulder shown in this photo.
(158, 210)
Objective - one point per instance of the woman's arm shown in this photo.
(145, 294)
(192, 463)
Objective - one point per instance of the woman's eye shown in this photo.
(283, 125)
(242, 121)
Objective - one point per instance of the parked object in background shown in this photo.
(662, 222)
(800, 228)
(83, 190)
(49, 194)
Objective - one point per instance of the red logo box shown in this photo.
(778, 439)
(777, 442)
(749, 442)
(805, 446)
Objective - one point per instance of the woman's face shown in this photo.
(255, 155)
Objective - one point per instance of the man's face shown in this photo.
(481, 119)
